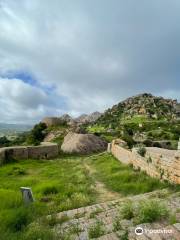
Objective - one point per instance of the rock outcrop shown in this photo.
(82, 143)
(66, 119)
(84, 118)
(52, 121)
(143, 104)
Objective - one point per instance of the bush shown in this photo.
(127, 138)
(39, 232)
(4, 142)
(151, 211)
(37, 134)
(142, 151)
(127, 211)
(96, 230)
(18, 219)
(49, 189)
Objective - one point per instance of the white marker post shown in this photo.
(27, 195)
(179, 145)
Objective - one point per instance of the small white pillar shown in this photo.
(109, 147)
(27, 195)
(179, 145)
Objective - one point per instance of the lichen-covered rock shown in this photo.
(83, 143)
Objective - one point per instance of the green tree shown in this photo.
(4, 142)
(37, 134)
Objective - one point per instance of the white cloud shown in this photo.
(94, 53)
(20, 101)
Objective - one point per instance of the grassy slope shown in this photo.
(63, 184)
(126, 128)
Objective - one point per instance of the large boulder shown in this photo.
(52, 121)
(83, 143)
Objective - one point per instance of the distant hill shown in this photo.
(154, 121)
(145, 105)
(13, 129)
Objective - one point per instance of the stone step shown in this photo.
(108, 213)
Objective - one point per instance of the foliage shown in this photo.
(141, 150)
(4, 142)
(127, 210)
(37, 134)
(96, 230)
(122, 178)
(150, 211)
(117, 225)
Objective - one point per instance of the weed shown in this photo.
(117, 225)
(151, 211)
(173, 219)
(75, 229)
(96, 230)
(54, 220)
(127, 210)
(94, 213)
(141, 151)
(125, 236)
(149, 160)
(79, 215)
(49, 189)
(39, 232)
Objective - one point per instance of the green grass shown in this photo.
(122, 178)
(59, 185)
(96, 230)
(151, 211)
(127, 210)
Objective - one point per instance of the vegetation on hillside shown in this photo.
(37, 134)
(140, 119)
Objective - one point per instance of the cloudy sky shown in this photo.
(80, 56)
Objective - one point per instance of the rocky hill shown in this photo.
(68, 120)
(145, 105)
(84, 118)
(141, 119)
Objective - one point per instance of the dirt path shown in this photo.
(104, 194)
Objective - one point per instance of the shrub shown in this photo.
(17, 171)
(117, 225)
(151, 211)
(39, 232)
(125, 236)
(49, 189)
(127, 210)
(149, 160)
(54, 220)
(96, 230)
(4, 142)
(37, 134)
(142, 151)
(17, 220)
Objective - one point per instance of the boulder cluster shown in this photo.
(148, 105)
(66, 119)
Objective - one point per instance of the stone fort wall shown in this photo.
(159, 163)
(44, 151)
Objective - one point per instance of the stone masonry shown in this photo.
(158, 162)
(76, 224)
(43, 151)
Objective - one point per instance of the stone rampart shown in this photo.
(159, 163)
(44, 151)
